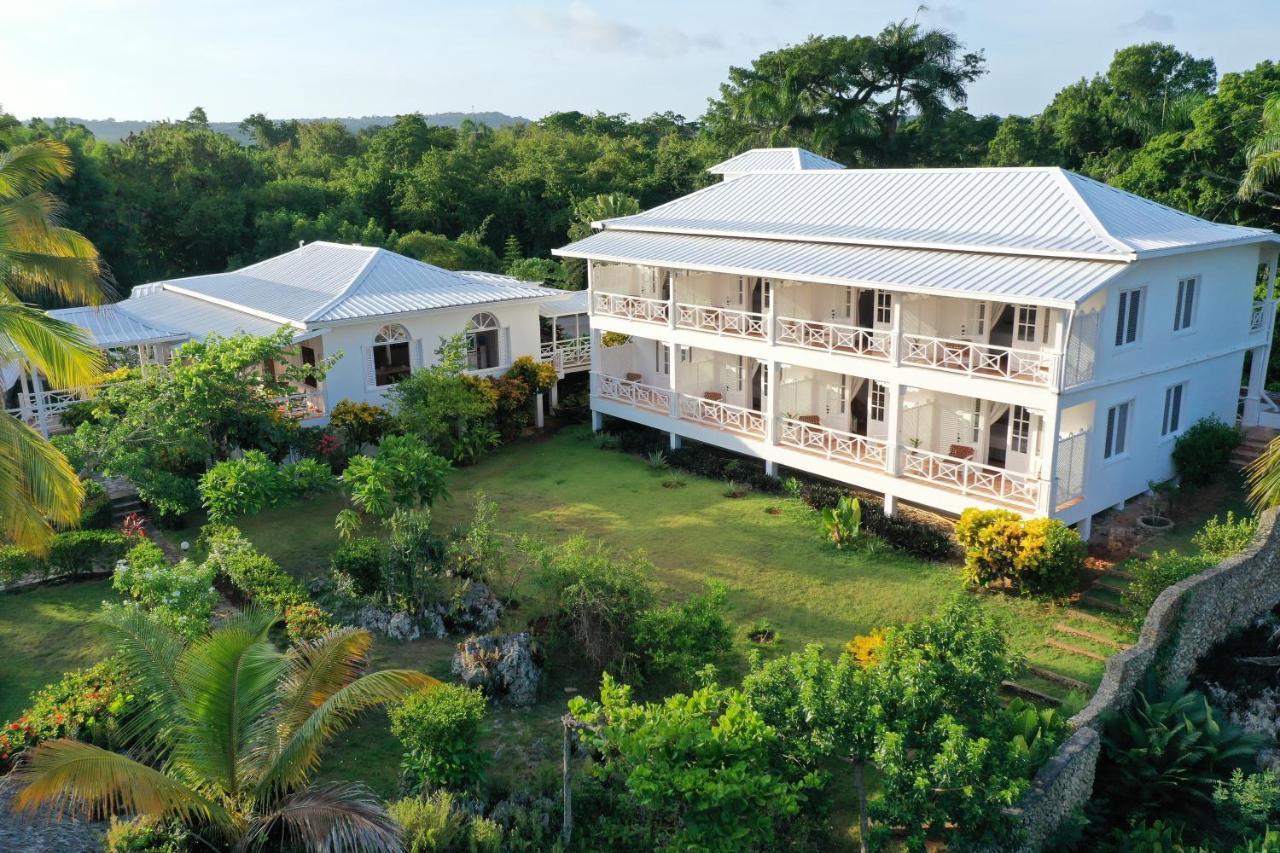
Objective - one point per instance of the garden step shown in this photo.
(1086, 616)
(1119, 574)
(1089, 635)
(1058, 678)
(1031, 693)
(1108, 584)
(1100, 604)
(1054, 642)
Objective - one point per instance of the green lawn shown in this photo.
(44, 633)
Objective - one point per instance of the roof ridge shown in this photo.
(1062, 178)
(375, 252)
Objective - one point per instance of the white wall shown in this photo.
(347, 378)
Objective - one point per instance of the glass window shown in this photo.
(1185, 308)
(1172, 417)
(1127, 317)
(391, 361)
(884, 306)
(1026, 323)
(876, 401)
(977, 421)
(482, 342)
(662, 359)
(1020, 430)
(1117, 430)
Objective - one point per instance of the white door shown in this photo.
(877, 409)
(1029, 325)
(882, 312)
(1023, 439)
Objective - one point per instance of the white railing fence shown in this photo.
(723, 415)
(631, 307)
(567, 352)
(979, 359)
(1257, 317)
(833, 443)
(720, 321)
(1071, 463)
(634, 393)
(969, 478)
(832, 337)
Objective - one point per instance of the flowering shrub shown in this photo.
(145, 834)
(865, 648)
(86, 705)
(440, 731)
(180, 596)
(1041, 556)
(360, 423)
(305, 623)
(133, 526)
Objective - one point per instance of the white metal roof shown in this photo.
(773, 160)
(1058, 281)
(111, 326)
(322, 282)
(1033, 211)
(572, 302)
(196, 317)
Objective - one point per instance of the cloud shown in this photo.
(1149, 21)
(585, 27)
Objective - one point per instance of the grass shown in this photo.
(45, 632)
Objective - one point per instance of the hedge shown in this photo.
(73, 553)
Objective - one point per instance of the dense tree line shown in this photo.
(180, 198)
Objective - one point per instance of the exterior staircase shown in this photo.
(1255, 442)
(123, 497)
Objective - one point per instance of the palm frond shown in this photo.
(338, 816)
(37, 486)
(26, 168)
(149, 650)
(228, 681)
(300, 754)
(316, 671)
(59, 350)
(70, 776)
(1263, 475)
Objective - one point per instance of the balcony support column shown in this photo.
(893, 417)
(1047, 500)
(895, 334)
(671, 300)
(771, 316)
(673, 405)
(41, 401)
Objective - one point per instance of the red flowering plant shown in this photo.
(133, 526)
(86, 705)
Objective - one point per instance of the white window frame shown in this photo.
(877, 401)
(1026, 319)
(1116, 431)
(390, 335)
(1124, 310)
(1020, 430)
(977, 420)
(662, 359)
(1186, 305)
(1171, 419)
(884, 306)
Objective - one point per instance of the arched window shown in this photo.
(391, 361)
(483, 348)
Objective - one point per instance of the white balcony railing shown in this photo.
(720, 321)
(568, 352)
(833, 443)
(977, 359)
(832, 337)
(722, 415)
(1257, 317)
(631, 307)
(634, 393)
(969, 478)
(302, 404)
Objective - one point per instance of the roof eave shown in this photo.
(365, 318)
(234, 306)
(1245, 240)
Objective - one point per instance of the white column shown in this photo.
(25, 397)
(773, 373)
(671, 301)
(673, 359)
(771, 316)
(555, 395)
(41, 402)
(538, 416)
(893, 417)
(1048, 498)
(895, 330)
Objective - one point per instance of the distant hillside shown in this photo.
(114, 131)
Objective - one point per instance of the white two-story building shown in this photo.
(1024, 338)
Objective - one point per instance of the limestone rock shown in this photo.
(476, 610)
(507, 668)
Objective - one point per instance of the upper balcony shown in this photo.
(1010, 342)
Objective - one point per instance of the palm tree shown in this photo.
(1263, 474)
(229, 737)
(1263, 156)
(39, 258)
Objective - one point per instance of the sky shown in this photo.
(155, 59)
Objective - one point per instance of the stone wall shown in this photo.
(1184, 623)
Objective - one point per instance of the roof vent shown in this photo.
(301, 243)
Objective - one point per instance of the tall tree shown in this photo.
(233, 731)
(38, 259)
(1263, 154)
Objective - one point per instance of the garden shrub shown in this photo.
(477, 551)
(363, 560)
(1040, 556)
(440, 731)
(256, 575)
(1166, 754)
(842, 523)
(360, 423)
(1154, 575)
(680, 639)
(72, 553)
(181, 597)
(1222, 539)
(537, 376)
(246, 486)
(1246, 805)
(305, 623)
(18, 563)
(405, 474)
(1203, 451)
(865, 648)
(693, 772)
(438, 824)
(145, 834)
(86, 705)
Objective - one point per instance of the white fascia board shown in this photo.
(520, 300)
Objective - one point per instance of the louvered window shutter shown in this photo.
(370, 377)
(1135, 306)
(504, 345)
(415, 354)
(1121, 314)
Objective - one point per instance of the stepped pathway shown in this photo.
(1255, 442)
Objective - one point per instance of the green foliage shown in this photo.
(537, 375)
(438, 824)
(254, 574)
(681, 639)
(842, 523)
(1166, 754)
(478, 551)
(95, 512)
(363, 560)
(1154, 575)
(694, 771)
(1220, 539)
(415, 561)
(360, 423)
(404, 475)
(180, 596)
(305, 623)
(88, 704)
(1245, 805)
(440, 731)
(439, 402)
(1036, 732)
(71, 553)
(145, 834)
(1039, 556)
(1203, 450)
(246, 486)
(1157, 837)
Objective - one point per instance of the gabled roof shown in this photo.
(773, 160)
(1052, 280)
(110, 326)
(323, 282)
(1025, 211)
